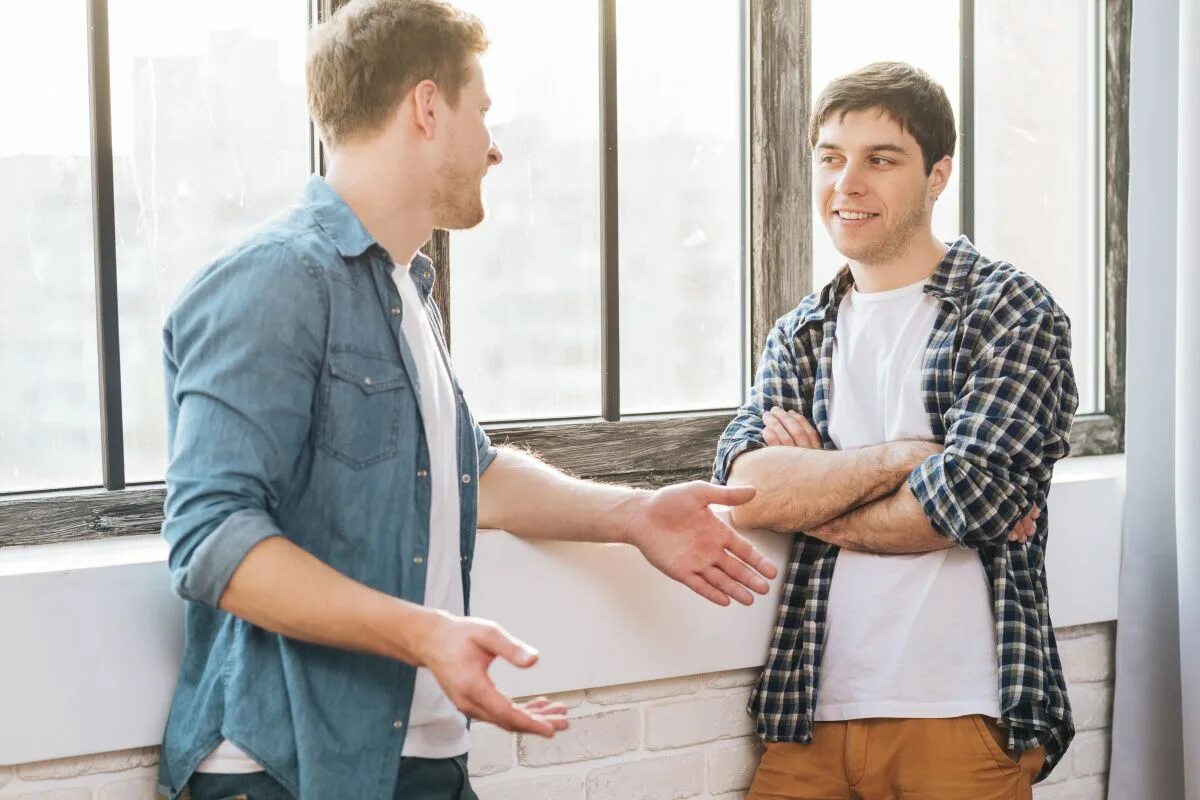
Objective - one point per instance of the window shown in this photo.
(529, 324)
(1030, 160)
(650, 222)
(49, 426)
(209, 138)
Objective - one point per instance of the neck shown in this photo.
(915, 263)
(387, 203)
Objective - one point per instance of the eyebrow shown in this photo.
(875, 148)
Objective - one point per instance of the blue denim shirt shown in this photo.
(293, 410)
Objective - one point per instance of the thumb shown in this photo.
(500, 643)
(728, 495)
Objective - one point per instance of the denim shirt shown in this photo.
(293, 410)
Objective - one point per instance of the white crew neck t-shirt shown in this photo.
(908, 636)
(436, 729)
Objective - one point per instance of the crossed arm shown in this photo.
(855, 499)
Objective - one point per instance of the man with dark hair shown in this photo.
(326, 477)
(906, 420)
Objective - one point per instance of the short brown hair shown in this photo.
(908, 95)
(371, 53)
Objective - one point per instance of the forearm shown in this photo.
(892, 524)
(800, 488)
(526, 497)
(284, 589)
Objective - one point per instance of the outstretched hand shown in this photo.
(679, 534)
(459, 652)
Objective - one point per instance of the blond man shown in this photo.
(326, 476)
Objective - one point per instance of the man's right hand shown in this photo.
(459, 650)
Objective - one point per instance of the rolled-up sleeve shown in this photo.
(483, 443)
(242, 354)
(1010, 423)
(777, 382)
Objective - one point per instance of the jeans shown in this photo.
(418, 779)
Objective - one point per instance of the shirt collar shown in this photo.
(422, 273)
(336, 218)
(348, 235)
(948, 280)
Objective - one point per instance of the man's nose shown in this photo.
(850, 181)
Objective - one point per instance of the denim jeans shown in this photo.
(419, 779)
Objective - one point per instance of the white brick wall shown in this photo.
(671, 739)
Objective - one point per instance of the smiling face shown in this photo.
(469, 152)
(871, 188)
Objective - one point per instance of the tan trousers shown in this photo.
(961, 758)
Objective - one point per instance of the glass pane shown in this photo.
(1037, 164)
(525, 285)
(49, 408)
(846, 36)
(210, 137)
(680, 122)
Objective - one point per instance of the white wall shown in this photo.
(98, 632)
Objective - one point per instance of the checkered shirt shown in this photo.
(1000, 394)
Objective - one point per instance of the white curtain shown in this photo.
(1156, 721)
(1187, 391)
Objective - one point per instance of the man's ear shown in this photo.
(939, 177)
(425, 95)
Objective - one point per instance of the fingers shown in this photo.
(500, 643)
(810, 432)
(772, 434)
(488, 704)
(777, 433)
(799, 430)
(742, 574)
(727, 585)
(705, 589)
(741, 547)
(552, 712)
(712, 493)
(1024, 530)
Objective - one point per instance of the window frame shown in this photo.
(640, 450)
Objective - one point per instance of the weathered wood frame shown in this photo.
(654, 450)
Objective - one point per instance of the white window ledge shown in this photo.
(92, 633)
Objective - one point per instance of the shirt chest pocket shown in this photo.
(366, 404)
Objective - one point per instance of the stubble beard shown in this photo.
(457, 200)
(894, 242)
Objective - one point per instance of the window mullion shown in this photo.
(104, 232)
(610, 341)
(966, 152)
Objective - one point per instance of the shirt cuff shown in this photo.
(726, 455)
(927, 482)
(213, 563)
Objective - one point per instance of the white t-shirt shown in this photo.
(907, 636)
(436, 728)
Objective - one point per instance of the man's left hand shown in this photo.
(679, 534)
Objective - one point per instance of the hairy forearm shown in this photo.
(284, 589)
(526, 497)
(895, 523)
(800, 489)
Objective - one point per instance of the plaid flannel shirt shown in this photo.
(1000, 394)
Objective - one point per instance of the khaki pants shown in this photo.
(961, 758)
